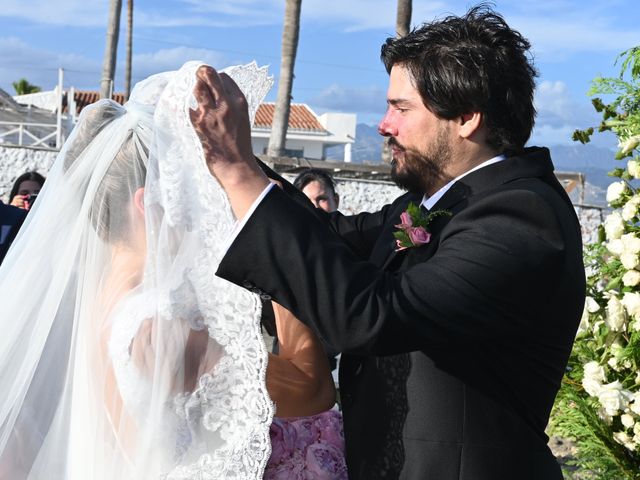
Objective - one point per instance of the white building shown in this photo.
(308, 135)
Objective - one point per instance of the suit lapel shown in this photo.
(385, 250)
(535, 162)
(457, 193)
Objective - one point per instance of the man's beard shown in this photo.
(421, 172)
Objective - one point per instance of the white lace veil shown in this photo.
(122, 355)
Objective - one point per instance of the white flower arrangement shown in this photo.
(599, 402)
(633, 167)
(611, 320)
(615, 191)
(614, 225)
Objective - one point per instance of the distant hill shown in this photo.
(595, 162)
(366, 149)
(368, 146)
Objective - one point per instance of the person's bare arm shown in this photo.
(298, 378)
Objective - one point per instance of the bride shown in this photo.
(122, 355)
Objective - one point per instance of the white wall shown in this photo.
(355, 195)
(311, 149)
(14, 161)
(369, 196)
(341, 126)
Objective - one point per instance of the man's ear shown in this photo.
(138, 201)
(469, 123)
(337, 198)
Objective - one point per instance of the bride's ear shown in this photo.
(138, 201)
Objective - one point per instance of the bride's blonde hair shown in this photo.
(125, 174)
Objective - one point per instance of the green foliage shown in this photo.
(622, 114)
(599, 456)
(598, 405)
(23, 87)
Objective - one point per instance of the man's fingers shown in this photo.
(230, 86)
(233, 90)
(208, 90)
(203, 95)
(209, 77)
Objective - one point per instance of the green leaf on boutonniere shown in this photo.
(403, 238)
(413, 227)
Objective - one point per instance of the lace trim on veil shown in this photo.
(230, 408)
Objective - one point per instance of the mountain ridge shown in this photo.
(593, 161)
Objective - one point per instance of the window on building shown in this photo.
(294, 152)
(289, 152)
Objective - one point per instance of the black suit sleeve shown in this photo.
(494, 261)
(359, 232)
(12, 218)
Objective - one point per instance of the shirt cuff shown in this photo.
(241, 223)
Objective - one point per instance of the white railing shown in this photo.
(29, 134)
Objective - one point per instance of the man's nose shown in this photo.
(386, 127)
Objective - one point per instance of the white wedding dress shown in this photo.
(123, 356)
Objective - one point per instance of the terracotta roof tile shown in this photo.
(300, 117)
(87, 97)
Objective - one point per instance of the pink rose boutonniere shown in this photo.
(414, 227)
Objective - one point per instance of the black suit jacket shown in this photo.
(11, 219)
(453, 351)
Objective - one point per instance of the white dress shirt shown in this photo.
(427, 202)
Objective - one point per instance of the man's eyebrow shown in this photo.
(398, 101)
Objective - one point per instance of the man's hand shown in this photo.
(222, 123)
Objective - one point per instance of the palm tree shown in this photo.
(110, 53)
(290, 34)
(403, 17)
(403, 25)
(127, 67)
(22, 87)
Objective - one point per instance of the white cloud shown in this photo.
(554, 39)
(349, 15)
(40, 66)
(251, 11)
(356, 15)
(545, 135)
(556, 28)
(169, 13)
(367, 100)
(81, 13)
(559, 114)
(146, 64)
(556, 106)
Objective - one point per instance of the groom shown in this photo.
(454, 348)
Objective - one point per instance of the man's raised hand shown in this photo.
(222, 123)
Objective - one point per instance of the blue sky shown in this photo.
(338, 66)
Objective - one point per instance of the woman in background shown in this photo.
(25, 190)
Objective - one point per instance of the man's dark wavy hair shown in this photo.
(473, 63)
